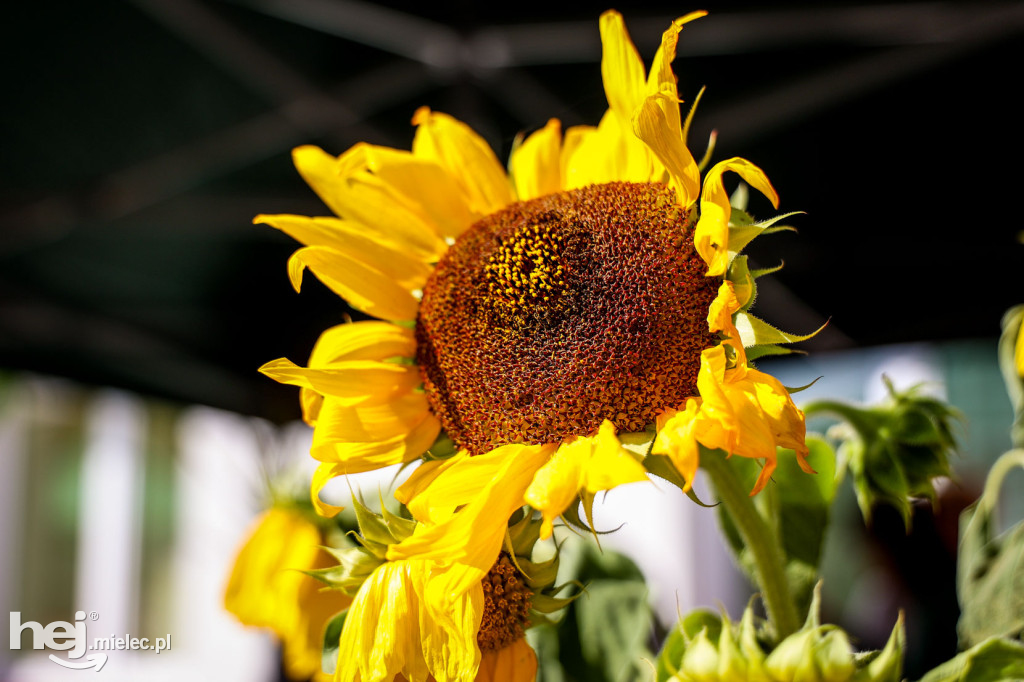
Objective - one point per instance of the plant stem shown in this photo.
(760, 539)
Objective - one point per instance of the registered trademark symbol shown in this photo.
(93, 615)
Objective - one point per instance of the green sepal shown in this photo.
(993, 660)
(443, 447)
(758, 352)
(756, 332)
(638, 442)
(797, 389)
(332, 642)
(990, 582)
(354, 566)
(743, 229)
(689, 116)
(761, 272)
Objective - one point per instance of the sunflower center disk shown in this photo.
(548, 317)
(506, 606)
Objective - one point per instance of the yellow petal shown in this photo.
(1019, 351)
(424, 185)
(351, 382)
(368, 201)
(721, 309)
(320, 171)
(586, 464)
(535, 166)
(466, 156)
(657, 124)
(473, 536)
(399, 430)
(622, 70)
(381, 636)
(677, 438)
(516, 662)
(711, 236)
(661, 68)
(421, 479)
(260, 591)
(357, 243)
(449, 631)
(365, 288)
(368, 340)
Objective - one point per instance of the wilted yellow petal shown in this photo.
(535, 165)
(466, 156)
(449, 634)
(365, 288)
(711, 236)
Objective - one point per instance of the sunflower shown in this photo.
(268, 589)
(591, 291)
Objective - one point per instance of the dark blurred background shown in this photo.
(140, 137)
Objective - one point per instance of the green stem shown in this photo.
(769, 561)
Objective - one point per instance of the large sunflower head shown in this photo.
(592, 290)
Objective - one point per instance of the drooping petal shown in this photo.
(535, 165)
(381, 636)
(721, 309)
(449, 636)
(711, 236)
(466, 156)
(587, 464)
(657, 123)
(516, 662)
(364, 287)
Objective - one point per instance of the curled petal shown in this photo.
(711, 236)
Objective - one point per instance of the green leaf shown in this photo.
(604, 633)
(332, 642)
(990, 582)
(993, 660)
(797, 505)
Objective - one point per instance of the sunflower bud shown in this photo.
(894, 449)
(706, 648)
